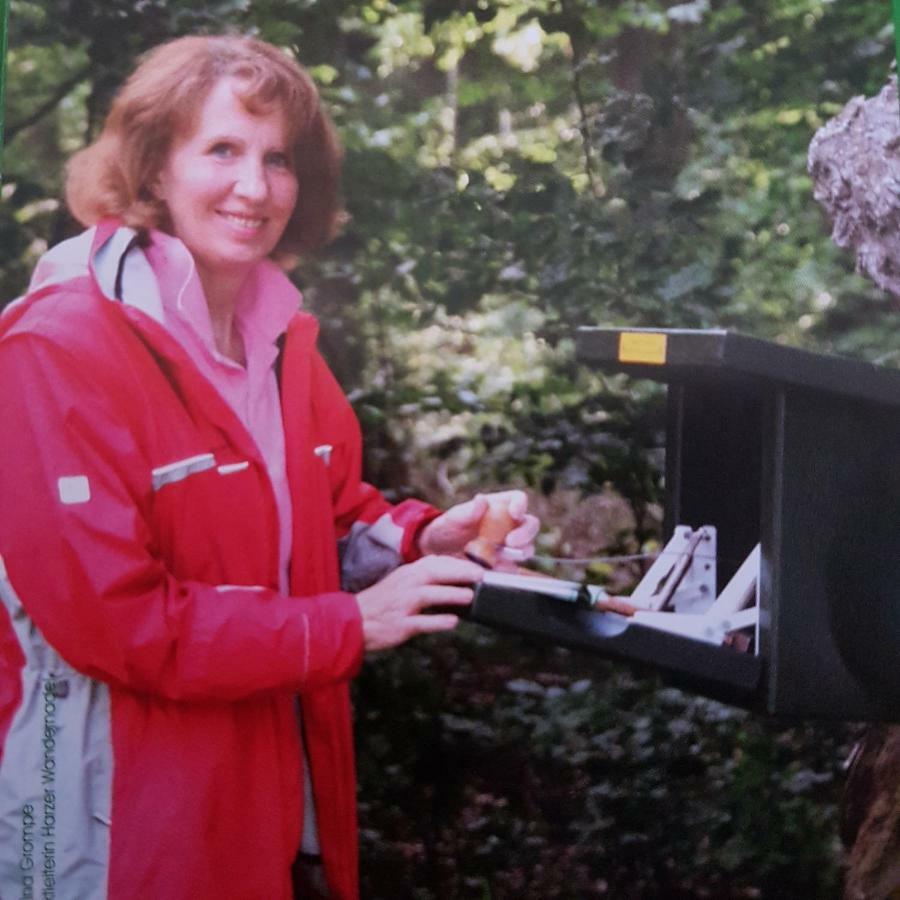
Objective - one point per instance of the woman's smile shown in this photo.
(243, 222)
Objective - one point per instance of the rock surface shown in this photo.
(854, 161)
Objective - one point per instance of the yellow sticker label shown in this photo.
(642, 347)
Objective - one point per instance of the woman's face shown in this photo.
(229, 186)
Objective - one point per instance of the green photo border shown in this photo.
(4, 28)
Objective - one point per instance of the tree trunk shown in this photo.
(871, 816)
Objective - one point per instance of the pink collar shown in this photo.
(267, 302)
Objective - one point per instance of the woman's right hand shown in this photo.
(393, 609)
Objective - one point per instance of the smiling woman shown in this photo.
(230, 189)
(160, 105)
(191, 567)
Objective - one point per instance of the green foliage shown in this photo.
(494, 767)
(505, 157)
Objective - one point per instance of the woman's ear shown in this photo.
(156, 186)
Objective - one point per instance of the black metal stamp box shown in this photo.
(791, 460)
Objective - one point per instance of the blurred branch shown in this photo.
(56, 97)
(584, 126)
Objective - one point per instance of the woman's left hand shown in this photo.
(450, 532)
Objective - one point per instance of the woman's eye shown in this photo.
(279, 160)
(222, 150)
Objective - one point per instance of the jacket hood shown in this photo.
(157, 275)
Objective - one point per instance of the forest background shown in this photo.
(515, 169)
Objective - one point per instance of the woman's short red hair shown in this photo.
(161, 100)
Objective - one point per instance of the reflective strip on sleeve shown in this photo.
(305, 643)
(181, 469)
(369, 552)
(387, 532)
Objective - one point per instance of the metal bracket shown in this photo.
(707, 618)
(683, 576)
